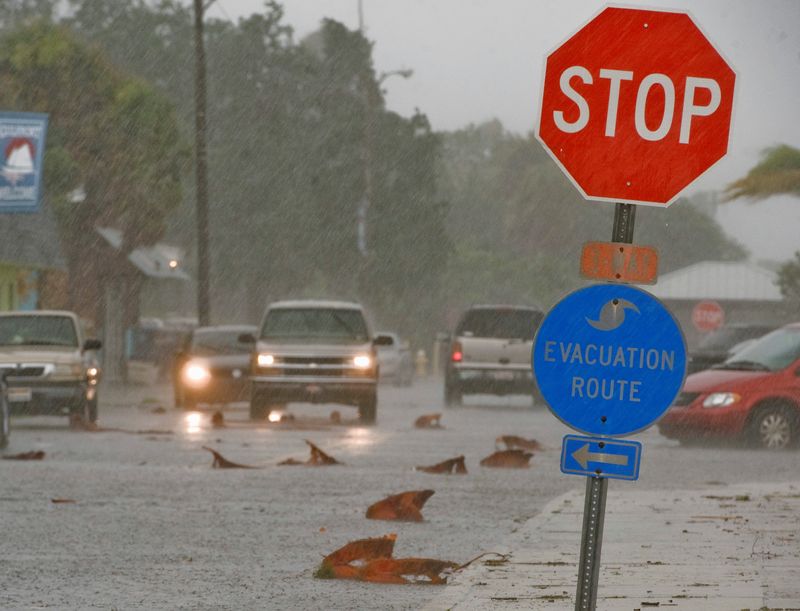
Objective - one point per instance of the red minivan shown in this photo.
(754, 396)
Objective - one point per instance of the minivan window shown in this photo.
(774, 351)
(333, 324)
(505, 323)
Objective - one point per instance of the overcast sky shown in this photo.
(474, 60)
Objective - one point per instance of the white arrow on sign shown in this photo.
(583, 456)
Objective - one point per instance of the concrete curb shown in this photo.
(722, 548)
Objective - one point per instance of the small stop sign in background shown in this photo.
(708, 316)
(636, 105)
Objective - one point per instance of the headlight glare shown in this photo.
(362, 361)
(265, 360)
(720, 399)
(196, 374)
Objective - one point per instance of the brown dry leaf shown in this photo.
(336, 417)
(376, 564)
(406, 506)
(362, 549)
(318, 458)
(62, 501)
(453, 465)
(515, 442)
(220, 462)
(508, 459)
(158, 410)
(429, 421)
(32, 455)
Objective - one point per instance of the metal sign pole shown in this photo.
(624, 217)
(594, 512)
(594, 509)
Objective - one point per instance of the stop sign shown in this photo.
(636, 105)
(708, 316)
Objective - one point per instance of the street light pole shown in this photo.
(372, 99)
(201, 167)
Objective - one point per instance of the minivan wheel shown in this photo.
(774, 428)
(5, 424)
(368, 409)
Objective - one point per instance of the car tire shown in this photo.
(368, 409)
(5, 424)
(453, 397)
(92, 408)
(774, 427)
(259, 405)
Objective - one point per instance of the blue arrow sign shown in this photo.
(609, 359)
(600, 457)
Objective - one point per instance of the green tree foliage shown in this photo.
(110, 134)
(289, 126)
(519, 224)
(789, 278)
(777, 173)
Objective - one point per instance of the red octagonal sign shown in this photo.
(636, 105)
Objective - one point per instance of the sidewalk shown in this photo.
(723, 548)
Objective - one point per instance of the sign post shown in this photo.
(635, 106)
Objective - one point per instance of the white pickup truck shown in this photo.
(317, 352)
(49, 366)
(490, 352)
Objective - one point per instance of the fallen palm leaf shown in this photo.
(375, 564)
(515, 442)
(32, 455)
(406, 506)
(62, 501)
(429, 421)
(508, 459)
(220, 462)
(453, 465)
(318, 458)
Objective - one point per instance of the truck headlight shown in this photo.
(93, 375)
(362, 361)
(67, 370)
(721, 399)
(195, 374)
(265, 360)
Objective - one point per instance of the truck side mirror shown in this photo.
(383, 340)
(92, 344)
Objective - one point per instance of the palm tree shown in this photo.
(777, 173)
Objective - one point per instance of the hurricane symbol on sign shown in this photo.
(612, 314)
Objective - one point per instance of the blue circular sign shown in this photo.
(609, 359)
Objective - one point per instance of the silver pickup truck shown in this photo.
(49, 366)
(317, 352)
(490, 352)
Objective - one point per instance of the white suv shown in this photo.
(490, 352)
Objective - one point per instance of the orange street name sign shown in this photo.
(619, 262)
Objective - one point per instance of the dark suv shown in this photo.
(490, 352)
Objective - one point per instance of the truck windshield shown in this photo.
(505, 323)
(315, 323)
(37, 331)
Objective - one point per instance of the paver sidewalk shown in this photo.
(723, 548)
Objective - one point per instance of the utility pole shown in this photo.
(201, 167)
